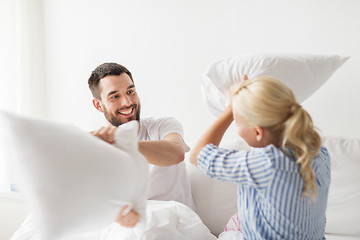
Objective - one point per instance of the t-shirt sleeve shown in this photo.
(253, 168)
(160, 127)
(167, 125)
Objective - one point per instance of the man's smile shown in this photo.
(127, 112)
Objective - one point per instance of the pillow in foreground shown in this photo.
(73, 181)
(302, 73)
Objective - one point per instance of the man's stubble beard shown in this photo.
(115, 121)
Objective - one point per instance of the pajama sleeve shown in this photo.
(242, 167)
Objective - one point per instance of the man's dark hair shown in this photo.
(103, 70)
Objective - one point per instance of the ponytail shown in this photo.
(300, 136)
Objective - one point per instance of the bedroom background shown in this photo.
(49, 48)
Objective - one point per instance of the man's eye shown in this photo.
(114, 97)
(130, 92)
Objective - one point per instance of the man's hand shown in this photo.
(105, 133)
(128, 220)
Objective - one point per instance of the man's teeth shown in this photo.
(127, 112)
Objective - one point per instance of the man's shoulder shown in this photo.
(152, 121)
(158, 127)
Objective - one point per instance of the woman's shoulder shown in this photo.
(270, 151)
(281, 159)
(323, 152)
(323, 157)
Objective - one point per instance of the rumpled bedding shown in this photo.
(165, 220)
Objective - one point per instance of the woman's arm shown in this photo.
(214, 133)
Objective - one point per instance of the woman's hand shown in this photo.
(231, 90)
(129, 219)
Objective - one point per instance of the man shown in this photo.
(160, 139)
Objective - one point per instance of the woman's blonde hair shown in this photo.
(267, 102)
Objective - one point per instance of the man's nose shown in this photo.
(126, 101)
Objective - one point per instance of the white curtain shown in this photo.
(22, 64)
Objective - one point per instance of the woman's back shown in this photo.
(273, 206)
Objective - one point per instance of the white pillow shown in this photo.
(73, 181)
(215, 200)
(302, 73)
(343, 210)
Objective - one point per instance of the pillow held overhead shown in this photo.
(74, 182)
(302, 73)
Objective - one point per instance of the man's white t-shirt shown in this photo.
(166, 183)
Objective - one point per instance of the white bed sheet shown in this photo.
(165, 220)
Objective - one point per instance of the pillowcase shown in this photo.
(302, 73)
(343, 209)
(74, 182)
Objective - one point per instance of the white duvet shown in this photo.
(165, 220)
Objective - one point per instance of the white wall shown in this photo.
(7, 56)
(167, 44)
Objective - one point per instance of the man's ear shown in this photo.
(97, 105)
(259, 133)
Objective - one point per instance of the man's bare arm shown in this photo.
(166, 152)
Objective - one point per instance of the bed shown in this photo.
(215, 201)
